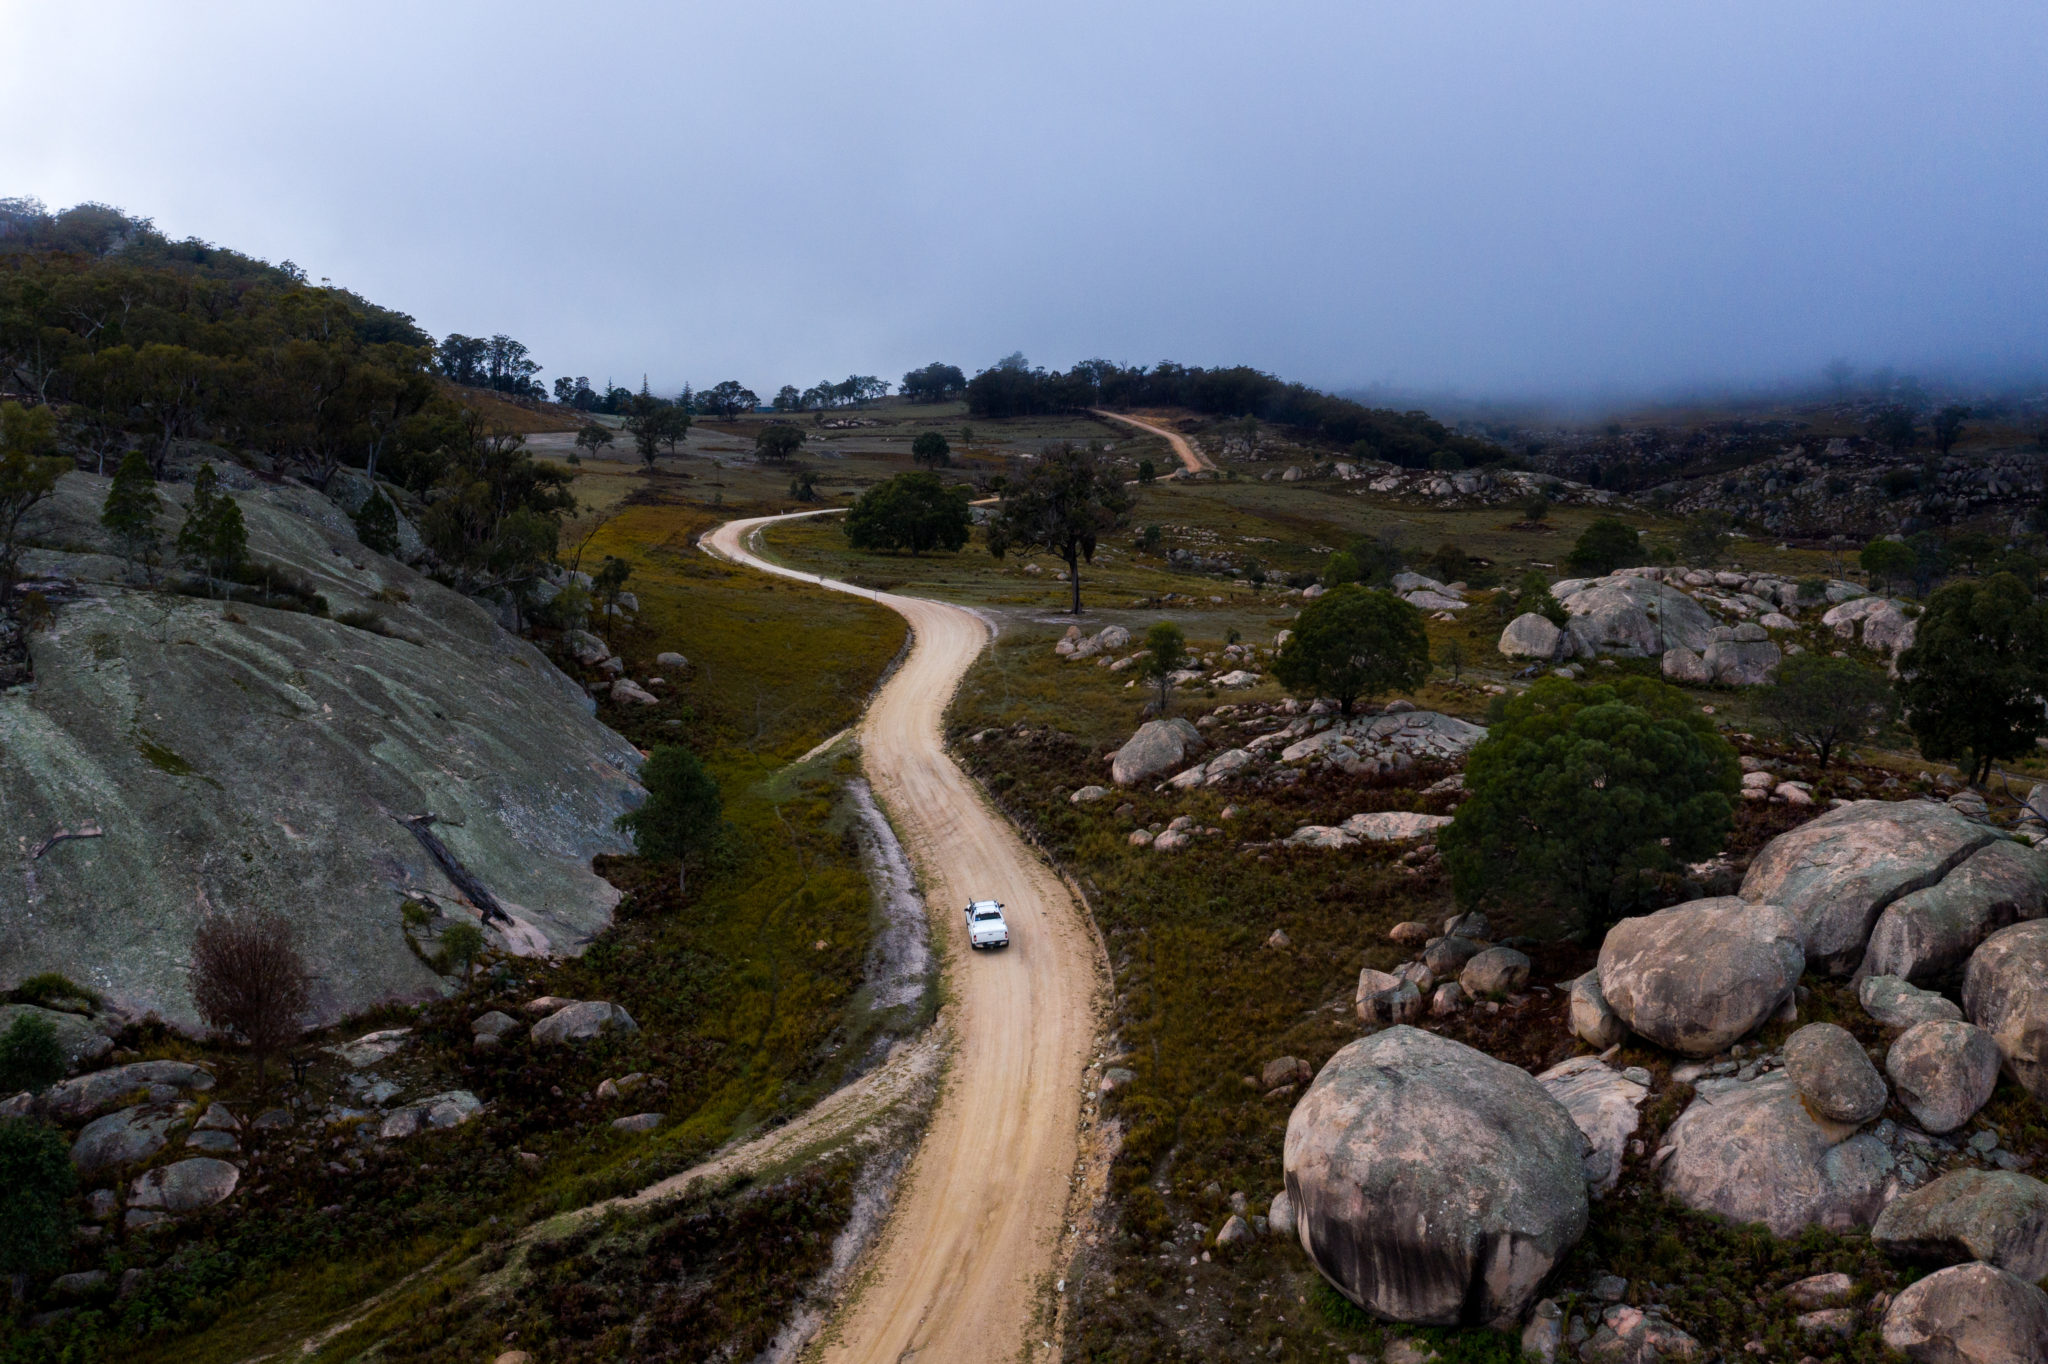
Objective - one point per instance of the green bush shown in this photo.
(682, 812)
(1605, 545)
(1973, 680)
(377, 523)
(1581, 792)
(35, 1180)
(1354, 643)
(30, 1056)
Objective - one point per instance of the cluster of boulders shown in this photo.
(1478, 487)
(609, 669)
(1441, 600)
(1670, 613)
(1407, 1195)
(1288, 738)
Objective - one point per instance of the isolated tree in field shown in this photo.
(1063, 502)
(1536, 510)
(213, 535)
(804, 486)
(1947, 426)
(377, 523)
(36, 1179)
(1450, 563)
(1452, 656)
(1604, 546)
(1828, 703)
(778, 441)
(31, 1058)
(1973, 681)
(131, 510)
(930, 450)
(1354, 643)
(917, 512)
(1364, 559)
(1167, 653)
(249, 982)
(655, 425)
(1703, 538)
(593, 438)
(1887, 562)
(681, 815)
(28, 473)
(1148, 472)
(1578, 793)
(788, 398)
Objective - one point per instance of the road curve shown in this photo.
(1192, 460)
(962, 1270)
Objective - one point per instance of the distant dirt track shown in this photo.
(1193, 460)
(962, 1271)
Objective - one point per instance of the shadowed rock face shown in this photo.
(1835, 875)
(1432, 1183)
(267, 761)
(1928, 935)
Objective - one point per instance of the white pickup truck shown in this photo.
(985, 926)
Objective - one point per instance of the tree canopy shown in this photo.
(914, 511)
(1354, 643)
(1166, 652)
(1825, 702)
(1063, 503)
(778, 440)
(1604, 546)
(931, 450)
(1578, 792)
(36, 1177)
(682, 814)
(1973, 680)
(934, 383)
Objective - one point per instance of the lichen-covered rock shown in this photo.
(1593, 1021)
(1742, 663)
(186, 1186)
(1686, 668)
(1971, 1314)
(1928, 935)
(2005, 992)
(300, 743)
(1603, 1103)
(1834, 875)
(1433, 1183)
(83, 1096)
(122, 1138)
(1158, 746)
(1446, 956)
(1495, 972)
(1896, 1004)
(1700, 975)
(1635, 617)
(1997, 1216)
(1530, 635)
(1393, 826)
(1752, 1152)
(1945, 1071)
(1828, 1066)
(581, 1021)
(1631, 1335)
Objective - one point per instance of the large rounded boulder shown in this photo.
(1830, 1068)
(1755, 1152)
(1432, 1183)
(1834, 875)
(2005, 992)
(1971, 1314)
(1700, 975)
(1997, 1216)
(1928, 935)
(1634, 617)
(1159, 747)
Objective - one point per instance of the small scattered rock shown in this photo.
(581, 1021)
(639, 1122)
(1834, 1074)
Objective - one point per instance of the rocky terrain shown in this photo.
(372, 741)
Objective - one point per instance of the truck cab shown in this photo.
(985, 925)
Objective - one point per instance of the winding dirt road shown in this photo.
(1192, 460)
(962, 1271)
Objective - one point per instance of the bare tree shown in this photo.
(249, 981)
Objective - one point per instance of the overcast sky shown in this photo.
(1492, 198)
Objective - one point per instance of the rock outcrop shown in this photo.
(1700, 975)
(2005, 992)
(1158, 746)
(1945, 1071)
(1928, 935)
(252, 756)
(1752, 1152)
(1604, 1103)
(1971, 1314)
(1432, 1183)
(1632, 616)
(1834, 875)
(77, 1038)
(1997, 1216)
